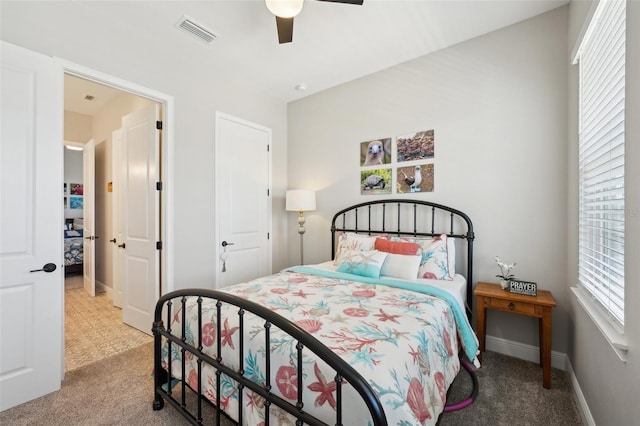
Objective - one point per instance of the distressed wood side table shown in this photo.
(492, 296)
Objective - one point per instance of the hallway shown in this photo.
(93, 327)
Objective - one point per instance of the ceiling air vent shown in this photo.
(203, 33)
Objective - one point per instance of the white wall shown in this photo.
(77, 128)
(72, 31)
(609, 386)
(498, 104)
(72, 174)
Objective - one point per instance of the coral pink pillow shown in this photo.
(396, 247)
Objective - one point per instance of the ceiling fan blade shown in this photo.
(285, 29)
(358, 2)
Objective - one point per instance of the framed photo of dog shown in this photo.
(402, 166)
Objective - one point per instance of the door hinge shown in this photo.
(158, 245)
(158, 186)
(159, 125)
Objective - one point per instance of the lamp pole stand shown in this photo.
(301, 231)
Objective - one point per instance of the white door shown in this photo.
(243, 202)
(140, 228)
(117, 214)
(31, 159)
(88, 213)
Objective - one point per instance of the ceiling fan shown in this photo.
(286, 10)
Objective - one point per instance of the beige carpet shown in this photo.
(119, 391)
(114, 391)
(93, 327)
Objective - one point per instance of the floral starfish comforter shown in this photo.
(404, 343)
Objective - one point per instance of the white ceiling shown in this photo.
(332, 43)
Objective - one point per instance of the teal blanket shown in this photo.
(467, 335)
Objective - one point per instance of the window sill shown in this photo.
(610, 330)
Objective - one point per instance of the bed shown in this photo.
(73, 247)
(372, 337)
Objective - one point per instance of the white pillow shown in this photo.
(401, 266)
(435, 259)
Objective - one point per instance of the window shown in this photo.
(601, 59)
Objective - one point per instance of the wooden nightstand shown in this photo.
(492, 296)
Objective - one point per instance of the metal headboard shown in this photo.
(408, 218)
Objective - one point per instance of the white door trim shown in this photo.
(168, 106)
(89, 217)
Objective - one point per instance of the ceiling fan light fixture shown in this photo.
(284, 8)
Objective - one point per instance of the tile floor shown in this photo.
(93, 327)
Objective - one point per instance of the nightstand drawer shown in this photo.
(511, 306)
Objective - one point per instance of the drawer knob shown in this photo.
(512, 306)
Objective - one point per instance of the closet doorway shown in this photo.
(100, 113)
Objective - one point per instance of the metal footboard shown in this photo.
(164, 382)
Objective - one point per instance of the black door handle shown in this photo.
(113, 241)
(224, 244)
(123, 245)
(49, 267)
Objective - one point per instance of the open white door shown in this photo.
(140, 227)
(243, 204)
(31, 255)
(89, 249)
(118, 175)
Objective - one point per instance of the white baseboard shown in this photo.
(587, 418)
(103, 288)
(530, 353)
(559, 360)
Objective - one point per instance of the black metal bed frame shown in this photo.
(191, 403)
(420, 221)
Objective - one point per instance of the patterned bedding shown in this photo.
(73, 243)
(404, 343)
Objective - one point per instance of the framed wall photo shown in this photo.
(415, 146)
(375, 181)
(76, 202)
(376, 152)
(415, 178)
(76, 189)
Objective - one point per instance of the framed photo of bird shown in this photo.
(376, 152)
(415, 146)
(415, 178)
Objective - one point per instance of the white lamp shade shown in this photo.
(285, 8)
(301, 200)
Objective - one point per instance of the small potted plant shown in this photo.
(505, 272)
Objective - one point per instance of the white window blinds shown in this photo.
(601, 59)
